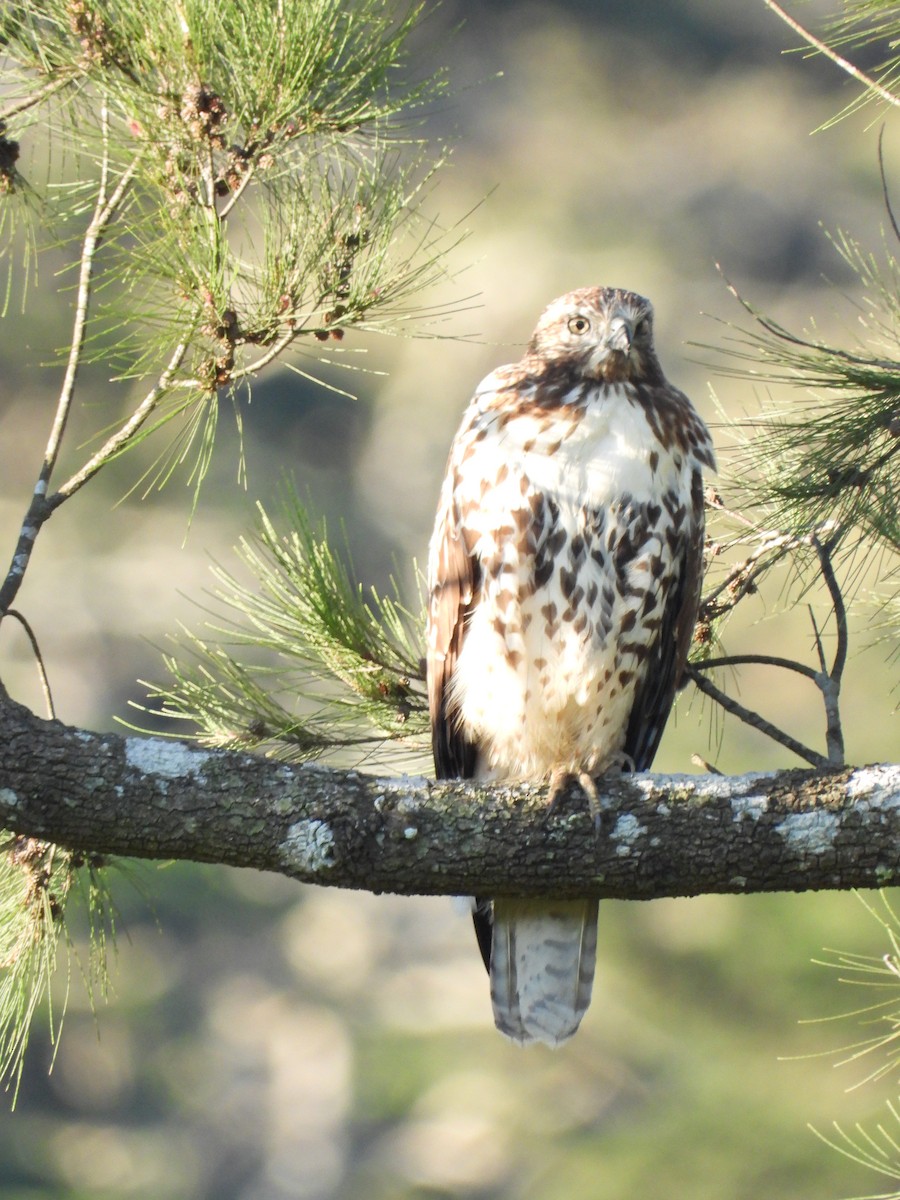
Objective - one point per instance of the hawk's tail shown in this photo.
(542, 967)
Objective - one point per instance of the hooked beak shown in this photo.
(613, 362)
(621, 333)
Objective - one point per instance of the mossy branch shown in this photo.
(660, 835)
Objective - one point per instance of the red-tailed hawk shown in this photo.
(564, 578)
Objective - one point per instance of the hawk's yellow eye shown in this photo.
(579, 325)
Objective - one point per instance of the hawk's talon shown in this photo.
(589, 787)
(559, 780)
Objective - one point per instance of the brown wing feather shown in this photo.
(654, 697)
(453, 585)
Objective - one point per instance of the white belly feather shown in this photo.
(543, 680)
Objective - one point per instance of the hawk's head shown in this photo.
(604, 333)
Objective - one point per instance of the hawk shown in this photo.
(564, 578)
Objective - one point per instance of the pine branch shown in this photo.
(749, 717)
(303, 662)
(660, 835)
(871, 85)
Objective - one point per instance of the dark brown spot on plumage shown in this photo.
(543, 569)
(568, 581)
(624, 553)
(638, 650)
(556, 539)
(523, 521)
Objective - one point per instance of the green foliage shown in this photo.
(340, 668)
(250, 174)
(878, 1050)
(862, 24)
(818, 470)
(226, 185)
(830, 459)
(34, 890)
(827, 465)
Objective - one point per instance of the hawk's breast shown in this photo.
(577, 516)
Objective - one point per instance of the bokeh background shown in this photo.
(266, 1041)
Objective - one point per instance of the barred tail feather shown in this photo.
(542, 967)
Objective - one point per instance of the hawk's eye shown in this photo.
(642, 329)
(579, 325)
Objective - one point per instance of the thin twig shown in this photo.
(714, 501)
(754, 719)
(235, 196)
(103, 210)
(34, 98)
(116, 443)
(837, 59)
(794, 339)
(39, 509)
(837, 601)
(38, 659)
(699, 761)
(820, 649)
(105, 207)
(745, 573)
(884, 184)
(830, 684)
(766, 660)
(272, 353)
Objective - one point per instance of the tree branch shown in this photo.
(659, 836)
(867, 81)
(694, 672)
(40, 508)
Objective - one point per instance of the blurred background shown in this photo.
(266, 1041)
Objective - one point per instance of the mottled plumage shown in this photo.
(564, 578)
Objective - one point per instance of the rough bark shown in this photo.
(659, 835)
